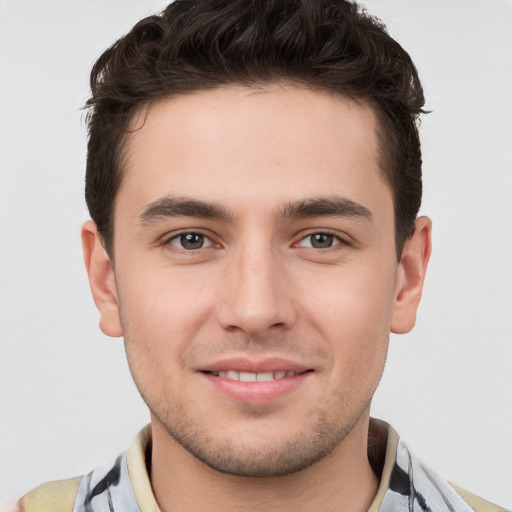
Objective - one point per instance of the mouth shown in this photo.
(255, 377)
(256, 382)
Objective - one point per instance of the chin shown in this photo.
(255, 453)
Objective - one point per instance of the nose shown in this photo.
(256, 294)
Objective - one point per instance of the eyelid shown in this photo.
(169, 237)
(342, 238)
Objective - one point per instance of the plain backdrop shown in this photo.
(67, 402)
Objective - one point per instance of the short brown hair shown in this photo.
(193, 45)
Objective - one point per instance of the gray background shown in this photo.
(67, 402)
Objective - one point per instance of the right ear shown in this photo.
(101, 280)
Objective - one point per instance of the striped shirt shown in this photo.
(406, 485)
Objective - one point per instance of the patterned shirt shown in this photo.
(406, 485)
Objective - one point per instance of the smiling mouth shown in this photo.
(254, 377)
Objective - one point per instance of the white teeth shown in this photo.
(254, 377)
(264, 377)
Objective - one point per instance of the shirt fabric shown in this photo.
(406, 485)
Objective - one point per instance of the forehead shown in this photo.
(259, 145)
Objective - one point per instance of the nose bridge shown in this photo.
(255, 298)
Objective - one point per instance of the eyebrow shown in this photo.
(168, 207)
(325, 207)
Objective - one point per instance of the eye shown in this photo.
(319, 241)
(190, 241)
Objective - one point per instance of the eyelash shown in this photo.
(181, 235)
(336, 240)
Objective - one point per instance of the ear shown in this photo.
(101, 280)
(411, 274)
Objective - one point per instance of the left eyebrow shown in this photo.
(169, 207)
(332, 206)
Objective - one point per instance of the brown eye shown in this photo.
(190, 241)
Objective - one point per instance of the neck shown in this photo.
(342, 481)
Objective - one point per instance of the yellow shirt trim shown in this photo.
(56, 496)
(386, 472)
(136, 461)
(475, 502)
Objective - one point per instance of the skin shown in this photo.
(262, 279)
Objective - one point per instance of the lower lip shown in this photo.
(256, 392)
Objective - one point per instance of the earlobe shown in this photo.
(101, 280)
(411, 275)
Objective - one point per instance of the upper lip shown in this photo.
(241, 364)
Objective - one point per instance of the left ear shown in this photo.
(411, 274)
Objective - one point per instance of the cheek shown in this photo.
(352, 311)
(161, 312)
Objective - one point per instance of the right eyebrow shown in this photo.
(331, 206)
(169, 207)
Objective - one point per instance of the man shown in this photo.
(254, 179)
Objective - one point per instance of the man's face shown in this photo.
(255, 272)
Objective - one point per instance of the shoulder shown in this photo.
(407, 484)
(475, 502)
(117, 485)
(58, 496)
